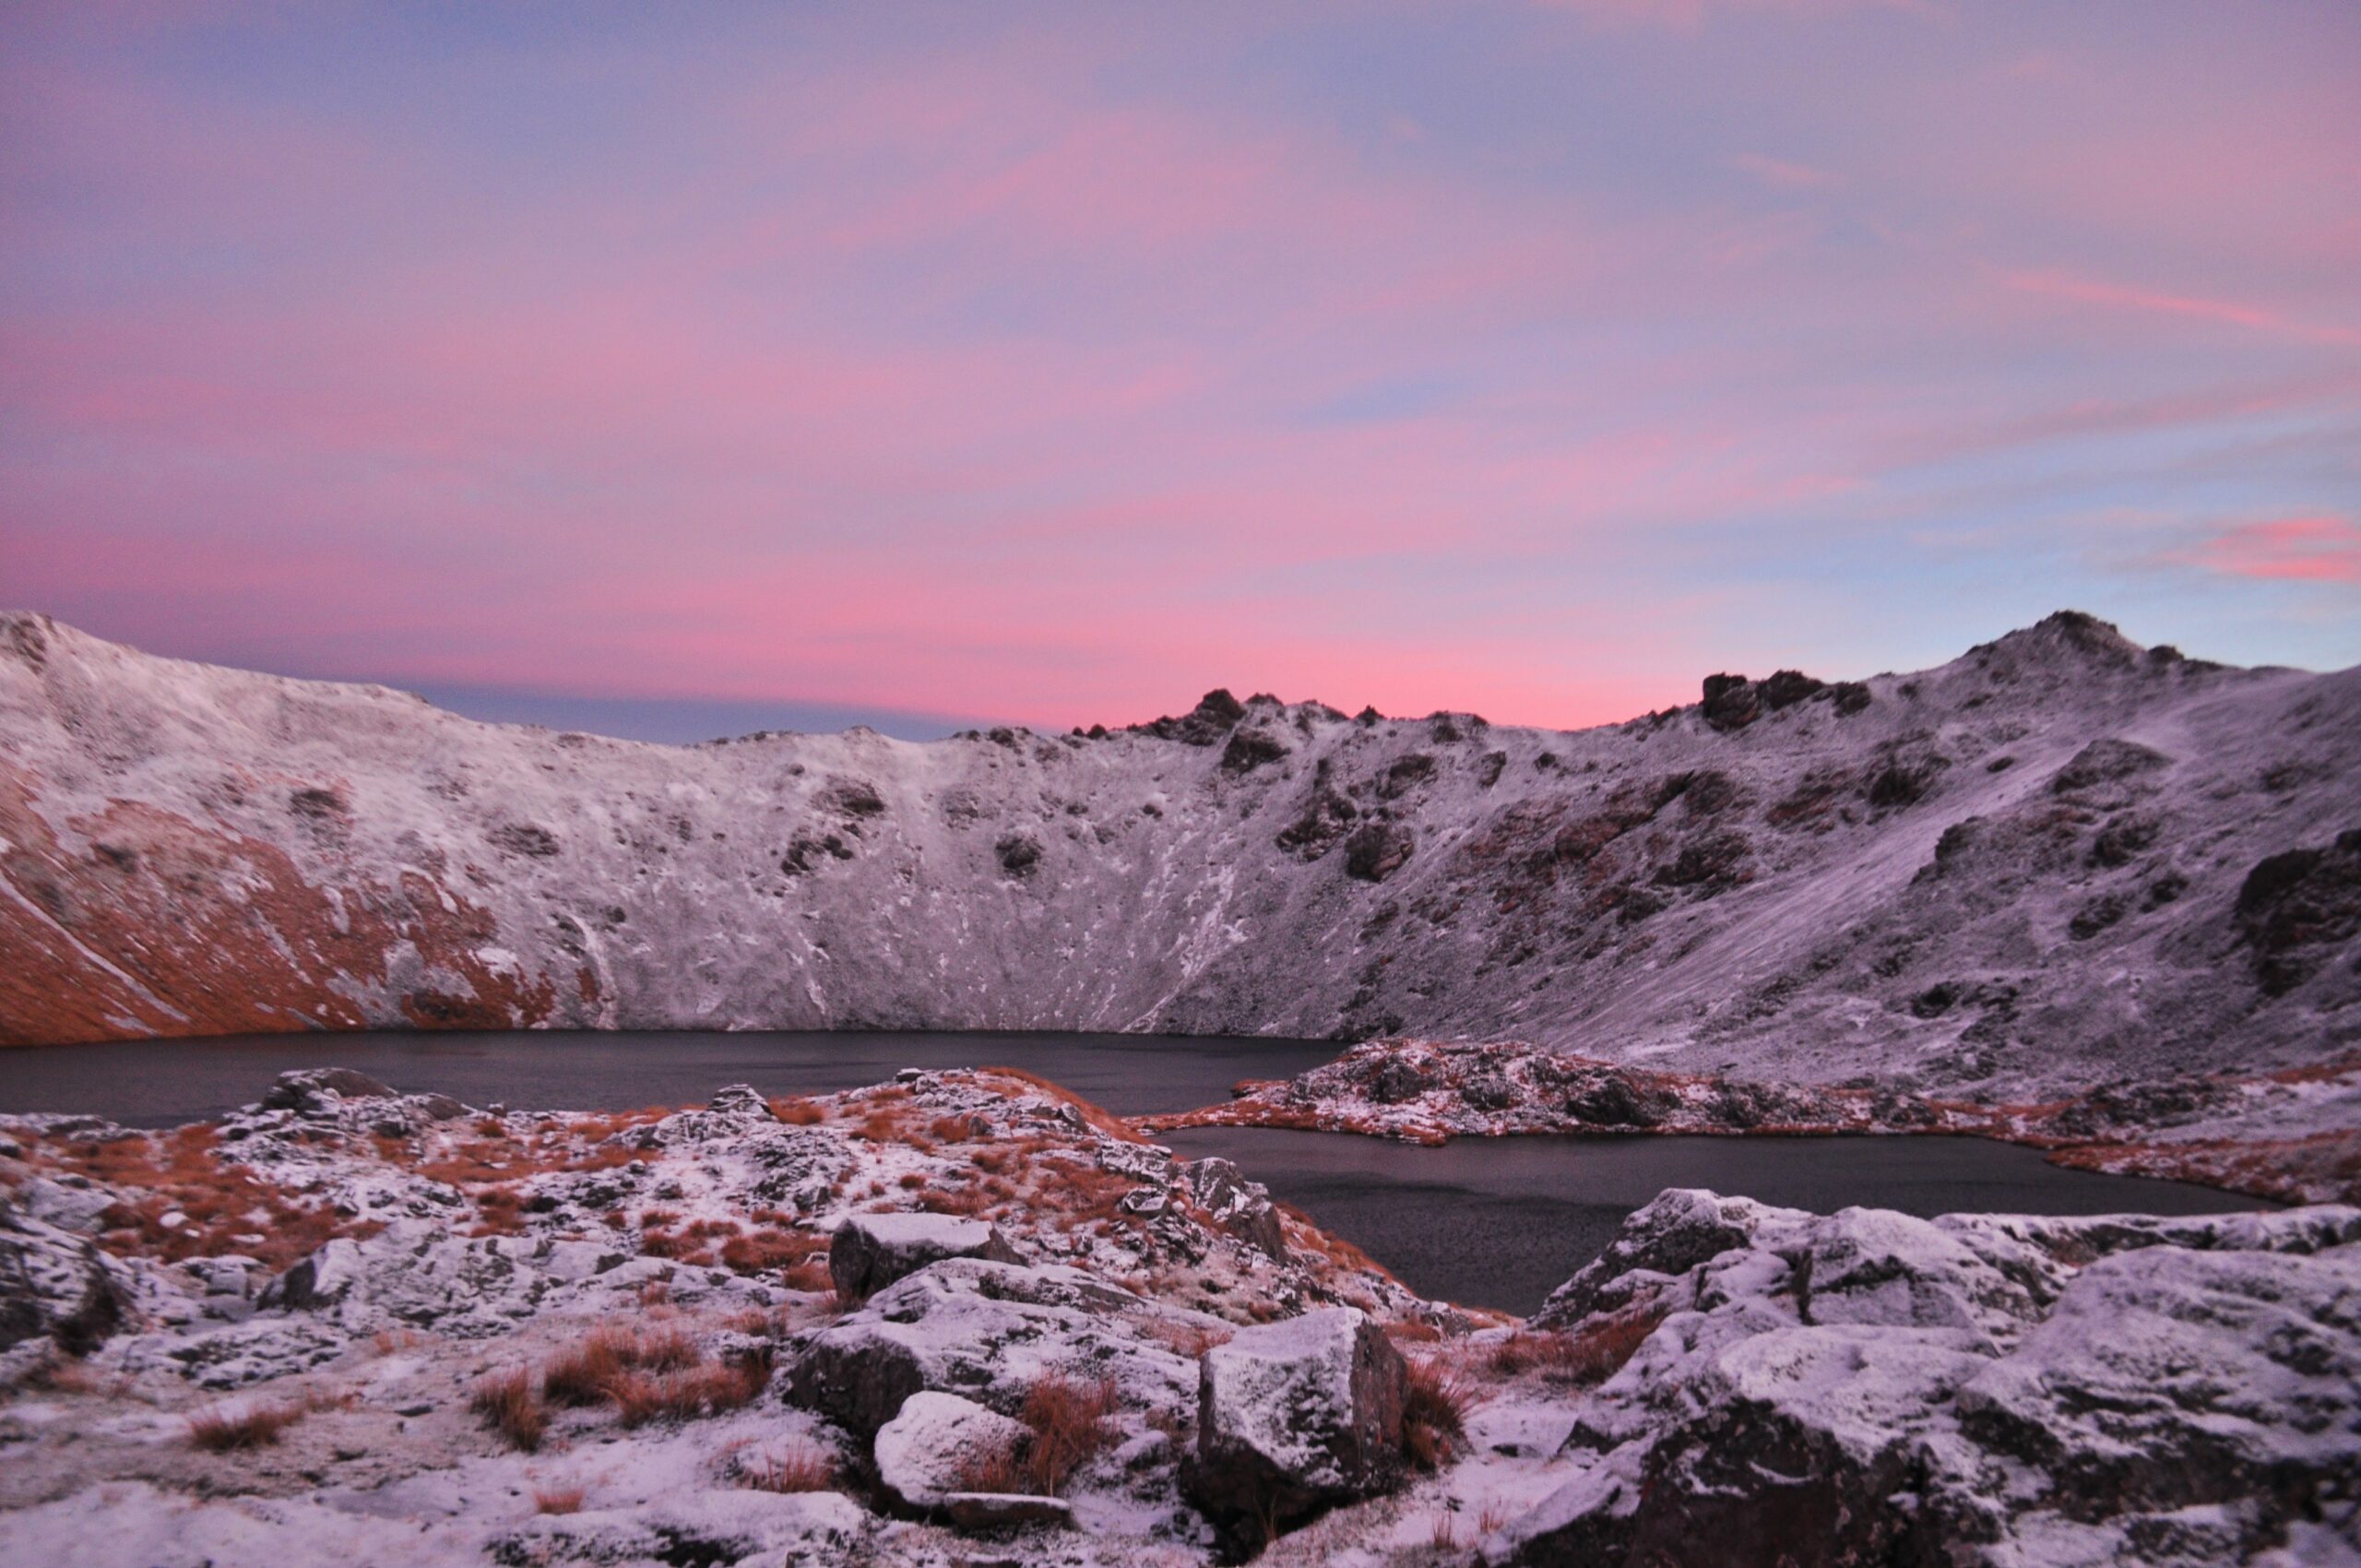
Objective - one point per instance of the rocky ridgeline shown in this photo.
(2295, 1135)
(2057, 861)
(963, 1317)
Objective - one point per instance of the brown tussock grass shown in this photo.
(710, 1389)
(509, 1405)
(222, 1205)
(558, 1500)
(1591, 1353)
(227, 1431)
(1434, 1413)
(803, 1466)
(1071, 1426)
(1098, 1118)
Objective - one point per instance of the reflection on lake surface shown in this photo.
(1496, 1222)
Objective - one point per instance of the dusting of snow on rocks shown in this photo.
(2059, 861)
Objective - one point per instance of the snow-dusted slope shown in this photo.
(2034, 866)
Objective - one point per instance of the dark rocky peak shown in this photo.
(1207, 724)
(2068, 639)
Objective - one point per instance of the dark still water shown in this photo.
(1502, 1222)
(1495, 1222)
(160, 1083)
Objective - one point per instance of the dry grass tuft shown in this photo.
(510, 1406)
(710, 1389)
(806, 1466)
(1434, 1413)
(1592, 1353)
(799, 1113)
(558, 1500)
(1069, 1418)
(224, 1431)
(999, 1469)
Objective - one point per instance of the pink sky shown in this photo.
(1054, 364)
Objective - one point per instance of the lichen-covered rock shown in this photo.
(1294, 1418)
(936, 1444)
(871, 1250)
(55, 1284)
(1234, 1203)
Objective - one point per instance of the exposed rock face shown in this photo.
(1295, 1418)
(2297, 908)
(1864, 1387)
(54, 1285)
(2048, 820)
(871, 1250)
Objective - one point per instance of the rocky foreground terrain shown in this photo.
(2061, 861)
(963, 1318)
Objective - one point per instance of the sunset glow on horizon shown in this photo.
(1054, 364)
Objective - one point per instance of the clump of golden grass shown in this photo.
(1434, 1413)
(709, 1389)
(511, 1406)
(805, 1467)
(1070, 1426)
(558, 1500)
(1591, 1353)
(587, 1373)
(222, 1432)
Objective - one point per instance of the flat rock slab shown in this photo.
(984, 1513)
(871, 1250)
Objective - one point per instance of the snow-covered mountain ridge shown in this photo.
(2060, 859)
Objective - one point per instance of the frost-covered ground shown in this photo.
(963, 1318)
(2061, 861)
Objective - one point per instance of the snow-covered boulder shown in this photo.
(990, 1331)
(871, 1250)
(938, 1444)
(1294, 1418)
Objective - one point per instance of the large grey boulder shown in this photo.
(1293, 1418)
(871, 1250)
(937, 1444)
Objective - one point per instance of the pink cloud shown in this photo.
(2118, 296)
(2312, 550)
(1782, 175)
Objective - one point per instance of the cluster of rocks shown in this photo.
(2294, 1134)
(1429, 1091)
(1865, 1387)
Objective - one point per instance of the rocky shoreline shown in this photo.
(2292, 1136)
(964, 1317)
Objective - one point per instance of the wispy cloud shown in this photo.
(1781, 174)
(2308, 549)
(2229, 313)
